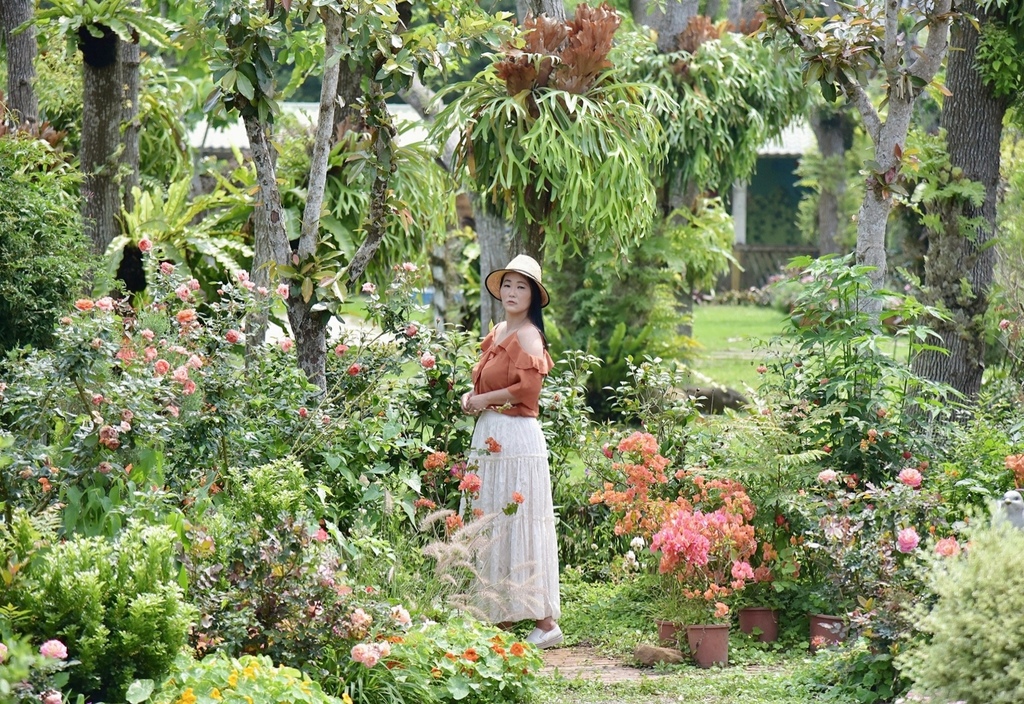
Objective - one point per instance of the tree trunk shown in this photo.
(21, 55)
(555, 9)
(667, 22)
(270, 240)
(129, 57)
(492, 233)
(973, 119)
(101, 118)
(833, 130)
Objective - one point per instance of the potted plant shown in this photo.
(705, 547)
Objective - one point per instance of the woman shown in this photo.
(519, 572)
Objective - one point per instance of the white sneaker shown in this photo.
(545, 639)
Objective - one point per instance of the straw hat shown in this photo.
(522, 264)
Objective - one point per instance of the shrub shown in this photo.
(246, 680)
(842, 382)
(976, 625)
(43, 252)
(116, 604)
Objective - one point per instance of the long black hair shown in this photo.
(536, 313)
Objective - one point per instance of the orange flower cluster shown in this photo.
(435, 460)
(493, 446)
(642, 469)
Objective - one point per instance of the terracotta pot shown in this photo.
(826, 630)
(668, 633)
(709, 644)
(764, 619)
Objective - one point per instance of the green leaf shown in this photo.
(244, 85)
(139, 691)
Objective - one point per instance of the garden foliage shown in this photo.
(43, 253)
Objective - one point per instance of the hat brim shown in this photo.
(493, 284)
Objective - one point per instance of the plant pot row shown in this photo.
(709, 643)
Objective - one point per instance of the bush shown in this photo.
(43, 253)
(976, 624)
(245, 680)
(116, 604)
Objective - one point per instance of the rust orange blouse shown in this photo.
(509, 366)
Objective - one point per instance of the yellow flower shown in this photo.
(187, 697)
(215, 694)
(233, 679)
(345, 698)
(250, 670)
(248, 699)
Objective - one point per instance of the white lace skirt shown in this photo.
(518, 568)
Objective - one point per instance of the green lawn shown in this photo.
(728, 336)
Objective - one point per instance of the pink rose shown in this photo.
(193, 284)
(947, 547)
(340, 350)
(355, 369)
(105, 304)
(907, 540)
(369, 288)
(428, 361)
(145, 245)
(303, 413)
(148, 335)
(911, 477)
(365, 654)
(283, 290)
(161, 367)
(97, 399)
(189, 387)
(150, 354)
(174, 411)
(826, 476)
(233, 337)
(409, 266)
(262, 290)
(3, 652)
(411, 330)
(1004, 324)
(401, 616)
(166, 268)
(53, 649)
(180, 374)
(320, 535)
(182, 292)
(286, 345)
(53, 698)
(195, 361)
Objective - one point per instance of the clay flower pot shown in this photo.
(668, 633)
(826, 630)
(709, 644)
(765, 619)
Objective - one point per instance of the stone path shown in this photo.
(588, 664)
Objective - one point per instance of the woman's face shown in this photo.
(515, 292)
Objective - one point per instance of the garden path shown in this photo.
(588, 664)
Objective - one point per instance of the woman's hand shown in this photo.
(466, 407)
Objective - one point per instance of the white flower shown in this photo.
(638, 543)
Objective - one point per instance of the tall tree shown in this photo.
(380, 56)
(838, 52)
(21, 55)
(960, 262)
(556, 140)
(101, 31)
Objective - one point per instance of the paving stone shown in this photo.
(589, 664)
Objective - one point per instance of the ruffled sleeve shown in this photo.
(528, 375)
